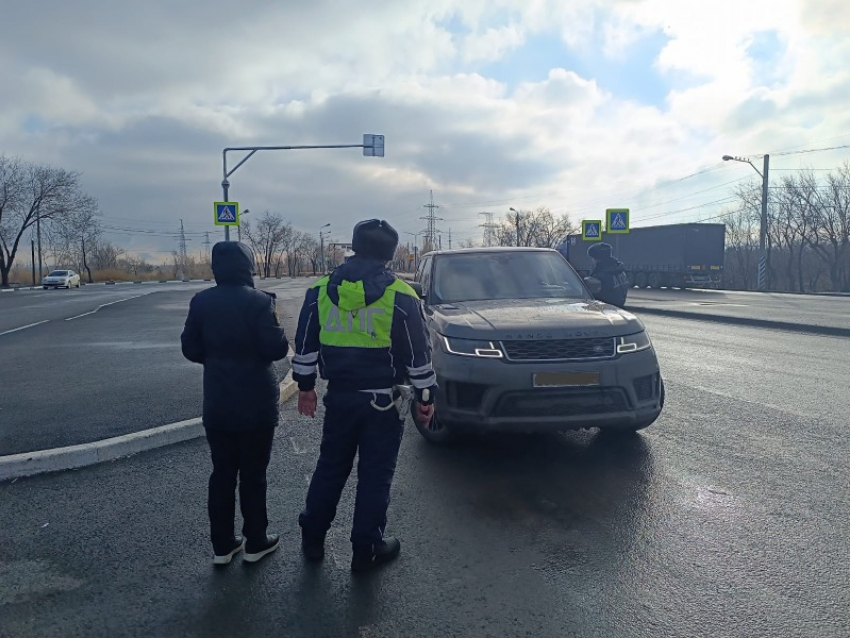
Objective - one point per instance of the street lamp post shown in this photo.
(373, 146)
(322, 246)
(517, 225)
(762, 274)
(239, 227)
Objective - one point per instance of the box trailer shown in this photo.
(674, 256)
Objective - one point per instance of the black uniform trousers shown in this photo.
(352, 425)
(246, 455)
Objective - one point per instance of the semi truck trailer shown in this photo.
(673, 256)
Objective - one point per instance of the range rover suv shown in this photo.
(520, 345)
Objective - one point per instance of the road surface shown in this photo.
(813, 311)
(728, 517)
(84, 365)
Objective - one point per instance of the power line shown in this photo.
(813, 150)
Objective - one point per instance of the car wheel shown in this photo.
(45, 287)
(438, 432)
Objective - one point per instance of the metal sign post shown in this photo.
(373, 146)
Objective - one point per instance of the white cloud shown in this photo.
(143, 98)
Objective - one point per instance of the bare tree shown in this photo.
(78, 233)
(266, 238)
(32, 195)
(538, 228)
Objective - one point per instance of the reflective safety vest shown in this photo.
(356, 325)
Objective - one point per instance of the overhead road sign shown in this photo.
(373, 145)
(591, 229)
(226, 213)
(617, 221)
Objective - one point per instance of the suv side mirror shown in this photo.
(417, 288)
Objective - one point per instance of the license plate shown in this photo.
(565, 379)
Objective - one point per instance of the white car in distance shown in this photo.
(61, 279)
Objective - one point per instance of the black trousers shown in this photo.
(352, 425)
(244, 455)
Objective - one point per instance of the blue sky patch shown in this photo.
(633, 76)
(766, 51)
(34, 124)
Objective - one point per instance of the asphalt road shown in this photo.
(70, 376)
(728, 517)
(809, 310)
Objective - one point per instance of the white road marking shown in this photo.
(298, 449)
(86, 314)
(32, 325)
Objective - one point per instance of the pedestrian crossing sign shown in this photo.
(591, 230)
(226, 213)
(618, 220)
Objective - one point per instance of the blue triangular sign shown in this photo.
(618, 223)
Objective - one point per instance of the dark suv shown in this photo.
(521, 345)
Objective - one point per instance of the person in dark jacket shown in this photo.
(233, 330)
(610, 273)
(365, 331)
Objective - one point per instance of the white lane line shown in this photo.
(32, 325)
(111, 303)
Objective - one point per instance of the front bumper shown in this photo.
(497, 395)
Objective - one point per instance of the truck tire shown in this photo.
(656, 280)
(641, 280)
(631, 278)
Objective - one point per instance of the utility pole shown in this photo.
(183, 256)
(450, 238)
(32, 248)
(762, 272)
(207, 244)
(763, 233)
(514, 210)
(38, 233)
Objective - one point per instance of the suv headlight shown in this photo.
(472, 347)
(633, 343)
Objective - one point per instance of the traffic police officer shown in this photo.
(610, 273)
(365, 331)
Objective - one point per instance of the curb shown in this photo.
(76, 456)
(785, 326)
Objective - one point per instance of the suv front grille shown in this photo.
(562, 402)
(560, 349)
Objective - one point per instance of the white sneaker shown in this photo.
(224, 559)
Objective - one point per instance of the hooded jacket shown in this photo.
(364, 329)
(233, 330)
(615, 283)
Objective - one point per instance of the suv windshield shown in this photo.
(57, 273)
(504, 275)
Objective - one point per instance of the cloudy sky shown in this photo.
(577, 105)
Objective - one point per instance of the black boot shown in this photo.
(256, 551)
(313, 547)
(367, 557)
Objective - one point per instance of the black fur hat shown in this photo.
(375, 238)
